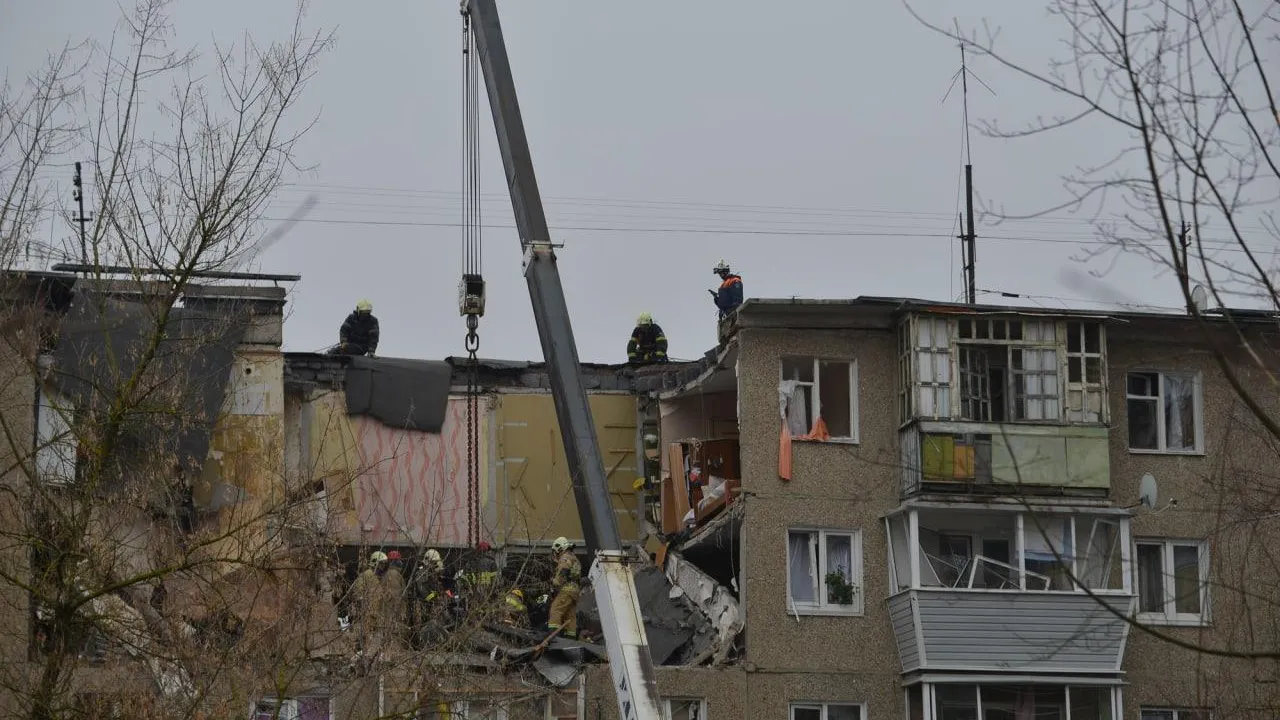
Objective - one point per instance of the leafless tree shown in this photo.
(182, 151)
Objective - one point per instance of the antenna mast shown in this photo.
(969, 239)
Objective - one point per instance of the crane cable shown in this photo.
(471, 266)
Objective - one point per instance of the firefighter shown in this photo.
(648, 344)
(514, 612)
(366, 595)
(430, 598)
(359, 332)
(729, 296)
(394, 593)
(564, 607)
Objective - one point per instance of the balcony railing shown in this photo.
(941, 456)
(940, 629)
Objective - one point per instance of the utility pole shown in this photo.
(82, 219)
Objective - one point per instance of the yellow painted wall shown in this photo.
(534, 496)
(334, 456)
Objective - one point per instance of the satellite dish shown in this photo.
(1199, 298)
(1147, 491)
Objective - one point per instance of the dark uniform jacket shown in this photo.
(360, 333)
(729, 297)
(648, 345)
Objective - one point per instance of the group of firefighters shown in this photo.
(383, 601)
(384, 604)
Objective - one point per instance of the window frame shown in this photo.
(1197, 411)
(815, 390)
(823, 607)
(287, 707)
(667, 701)
(1179, 713)
(1171, 616)
(824, 707)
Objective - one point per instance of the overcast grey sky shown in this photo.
(805, 143)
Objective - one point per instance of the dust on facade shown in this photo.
(865, 508)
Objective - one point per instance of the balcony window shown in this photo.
(1165, 412)
(824, 572)
(1086, 388)
(303, 708)
(821, 395)
(1014, 702)
(1005, 379)
(1173, 587)
(826, 711)
(1005, 550)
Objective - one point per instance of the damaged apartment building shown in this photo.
(208, 566)
(897, 508)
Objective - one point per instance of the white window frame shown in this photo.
(1197, 400)
(1170, 616)
(1178, 713)
(668, 701)
(825, 707)
(288, 707)
(822, 606)
(815, 392)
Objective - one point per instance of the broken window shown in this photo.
(824, 571)
(1173, 580)
(1048, 548)
(820, 395)
(1086, 391)
(684, 709)
(826, 711)
(1008, 370)
(1164, 411)
(1098, 553)
(1016, 702)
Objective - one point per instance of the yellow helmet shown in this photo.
(364, 306)
(518, 593)
(644, 319)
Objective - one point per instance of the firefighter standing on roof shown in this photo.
(564, 608)
(648, 344)
(729, 296)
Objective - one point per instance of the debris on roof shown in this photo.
(407, 394)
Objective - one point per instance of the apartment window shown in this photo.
(1165, 413)
(826, 711)
(302, 708)
(684, 709)
(1173, 581)
(821, 389)
(1176, 714)
(1008, 370)
(824, 572)
(56, 446)
(933, 367)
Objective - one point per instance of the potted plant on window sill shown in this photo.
(839, 590)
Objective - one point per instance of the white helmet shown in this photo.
(364, 306)
(560, 544)
(377, 556)
(431, 559)
(644, 319)
(720, 267)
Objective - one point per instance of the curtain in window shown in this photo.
(840, 555)
(791, 403)
(1179, 413)
(1150, 578)
(1041, 539)
(802, 577)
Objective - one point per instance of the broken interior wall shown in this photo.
(328, 452)
(700, 416)
(412, 485)
(535, 498)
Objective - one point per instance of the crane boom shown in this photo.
(630, 663)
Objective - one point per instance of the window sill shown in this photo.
(828, 441)
(1166, 621)
(1176, 453)
(828, 611)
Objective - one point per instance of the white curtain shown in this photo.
(1178, 412)
(803, 582)
(840, 556)
(791, 406)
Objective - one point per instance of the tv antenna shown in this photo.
(968, 240)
